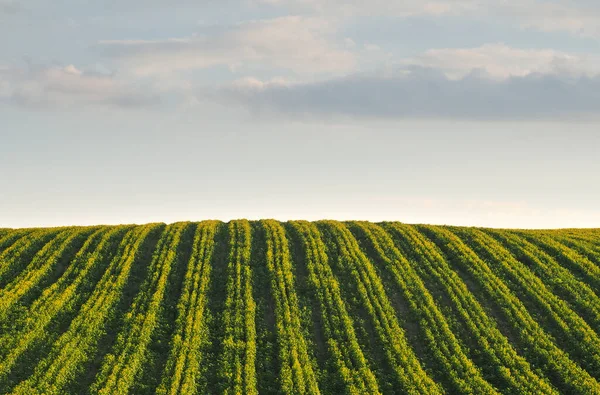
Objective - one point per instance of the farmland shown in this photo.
(326, 307)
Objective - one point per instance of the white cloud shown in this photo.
(68, 86)
(302, 45)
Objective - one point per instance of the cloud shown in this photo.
(501, 61)
(352, 8)
(68, 86)
(299, 44)
(9, 7)
(419, 92)
(578, 17)
(493, 81)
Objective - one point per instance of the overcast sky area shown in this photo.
(463, 112)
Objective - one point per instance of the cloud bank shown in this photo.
(501, 61)
(310, 65)
(493, 81)
(420, 93)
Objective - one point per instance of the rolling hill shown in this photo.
(268, 307)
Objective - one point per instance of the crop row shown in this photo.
(183, 365)
(238, 368)
(296, 374)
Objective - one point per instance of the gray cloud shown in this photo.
(501, 61)
(425, 93)
(9, 7)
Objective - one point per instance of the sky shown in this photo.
(462, 112)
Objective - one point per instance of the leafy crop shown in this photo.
(325, 307)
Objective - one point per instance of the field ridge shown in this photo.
(299, 307)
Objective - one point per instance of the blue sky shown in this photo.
(466, 112)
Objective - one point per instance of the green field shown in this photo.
(265, 307)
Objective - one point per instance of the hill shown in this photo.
(299, 307)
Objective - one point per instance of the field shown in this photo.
(265, 307)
